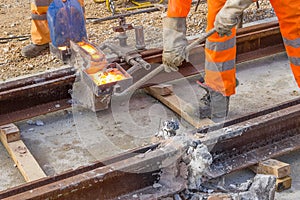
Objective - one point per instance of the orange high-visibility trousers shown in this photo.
(179, 8)
(40, 33)
(288, 14)
(220, 54)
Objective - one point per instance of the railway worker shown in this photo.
(220, 48)
(40, 34)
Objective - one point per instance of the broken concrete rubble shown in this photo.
(168, 130)
(200, 160)
(196, 157)
(193, 185)
(262, 188)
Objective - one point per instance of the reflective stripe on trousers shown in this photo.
(293, 50)
(219, 66)
(41, 3)
(38, 17)
(295, 61)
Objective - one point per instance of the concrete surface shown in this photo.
(9, 174)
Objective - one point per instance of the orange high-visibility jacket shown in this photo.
(39, 26)
(220, 52)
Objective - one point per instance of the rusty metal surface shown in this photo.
(22, 95)
(102, 183)
(249, 116)
(71, 173)
(31, 100)
(106, 182)
(39, 78)
(246, 143)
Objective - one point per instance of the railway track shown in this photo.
(237, 144)
(272, 133)
(48, 92)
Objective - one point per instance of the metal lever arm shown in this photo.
(200, 40)
(160, 68)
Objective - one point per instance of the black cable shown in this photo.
(198, 3)
(98, 20)
(15, 37)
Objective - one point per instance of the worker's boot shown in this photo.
(33, 50)
(213, 104)
(219, 105)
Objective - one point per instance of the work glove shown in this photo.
(174, 43)
(228, 16)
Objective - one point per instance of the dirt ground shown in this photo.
(15, 21)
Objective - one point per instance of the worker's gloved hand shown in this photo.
(175, 42)
(228, 16)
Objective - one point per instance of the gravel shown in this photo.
(12, 64)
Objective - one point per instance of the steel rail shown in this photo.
(233, 148)
(27, 187)
(244, 144)
(25, 98)
(236, 120)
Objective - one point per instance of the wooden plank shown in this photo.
(283, 183)
(20, 154)
(272, 167)
(180, 107)
(219, 197)
(10, 133)
(162, 89)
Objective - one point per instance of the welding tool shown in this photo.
(97, 73)
(160, 68)
(126, 52)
